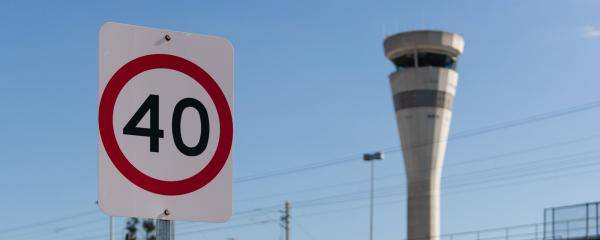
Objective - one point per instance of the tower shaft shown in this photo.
(423, 89)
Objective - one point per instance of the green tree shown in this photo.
(131, 227)
(150, 229)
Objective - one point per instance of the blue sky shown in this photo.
(311, 86)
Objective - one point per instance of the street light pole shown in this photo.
(371, 157)
(371, 203)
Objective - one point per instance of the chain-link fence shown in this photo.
(572, 222)
(520, 232)
(575, 222)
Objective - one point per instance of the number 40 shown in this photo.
(155, 133)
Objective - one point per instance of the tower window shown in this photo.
(405, 61)
(423, 98)
(436, 60)
(425, 59)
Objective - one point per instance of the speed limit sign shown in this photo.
(165, 124)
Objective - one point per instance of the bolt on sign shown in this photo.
(165, 117)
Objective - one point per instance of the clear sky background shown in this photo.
(311, 86)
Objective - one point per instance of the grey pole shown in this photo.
(371, 158)
(371, 203)
(111, 227)
(286, 219)
(165, 229)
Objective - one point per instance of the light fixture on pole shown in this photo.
(371, 157)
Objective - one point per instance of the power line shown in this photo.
(97, 236)
(397, 194)
(459, 135)
(530, 119)
(525, 150)
(304, 230)
(225, 227)
(545, 160)
(55, 230)
(46, 222)
(464, 134)
(90, 237)
(400, 187)
(506, 232)
(348, 200)
(295, 169)
(238, 216)
(526, 180)
(478, 172)
(451, 165)
(474, 172)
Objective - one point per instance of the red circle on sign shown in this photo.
(109, 140)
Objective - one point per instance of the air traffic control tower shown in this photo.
(423, 87)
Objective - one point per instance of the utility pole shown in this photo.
(286, 220)
(371, 157)
(111, 226)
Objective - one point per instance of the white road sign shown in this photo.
(165, 124)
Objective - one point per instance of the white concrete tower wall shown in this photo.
(423, 88)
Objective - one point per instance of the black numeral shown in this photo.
(151, 105)
(204, 131)
(131, 128)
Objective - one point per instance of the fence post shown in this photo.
(545, 222)
(553, 225)
(587, 220)
(568, 228)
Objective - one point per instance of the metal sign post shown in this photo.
(165, 229)
(111, 228)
